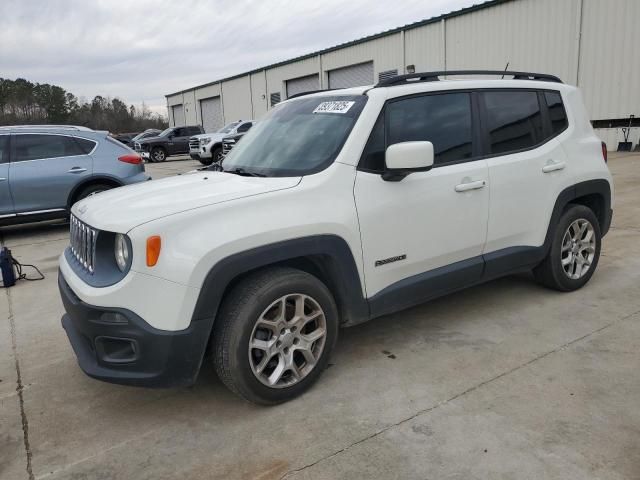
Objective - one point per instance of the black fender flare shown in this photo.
(337, 262)
(598, 187)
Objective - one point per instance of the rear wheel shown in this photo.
(158, 154)
(90, 190)
(274, 334)
(574, 253)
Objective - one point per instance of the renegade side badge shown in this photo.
(390, 260)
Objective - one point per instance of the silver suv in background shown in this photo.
(208, 147)
(44, 169)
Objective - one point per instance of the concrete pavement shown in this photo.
(505, 380)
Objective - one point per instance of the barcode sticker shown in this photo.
(334, 107)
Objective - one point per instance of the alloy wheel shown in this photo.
(578, 248)
(287, 340)
(159, 156)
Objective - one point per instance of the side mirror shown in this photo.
(407, 157)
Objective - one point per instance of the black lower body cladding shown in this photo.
(117, 346)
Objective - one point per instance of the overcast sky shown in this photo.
(142, 50)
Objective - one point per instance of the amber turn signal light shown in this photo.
(153, 250)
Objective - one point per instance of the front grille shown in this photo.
(83, 243)
(226, 148)
(194, 144)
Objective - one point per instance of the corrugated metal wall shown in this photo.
(532, 35)
(593, 43)
(609, 70)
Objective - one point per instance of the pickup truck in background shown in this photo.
(172, 141)
(207, 148)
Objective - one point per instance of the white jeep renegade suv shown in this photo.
(338, 207)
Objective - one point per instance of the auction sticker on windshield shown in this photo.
(334, 107)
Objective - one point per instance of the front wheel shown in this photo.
(274, 334)
(158, 154)
(574, 252)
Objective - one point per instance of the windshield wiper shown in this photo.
(242, 172)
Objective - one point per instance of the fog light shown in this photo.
(116, 350)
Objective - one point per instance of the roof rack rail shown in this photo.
(309, 92)
(435, 76)
(44, 127)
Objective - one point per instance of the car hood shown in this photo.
(216, 137)
(121, 209)
(150, 139)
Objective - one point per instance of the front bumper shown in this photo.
(116, 345)
(202, 152)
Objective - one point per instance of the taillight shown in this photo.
(604, 152)
(133, 158)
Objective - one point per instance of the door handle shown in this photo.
(552, 166)
(465, 187)
(2, 179)
(77, 170)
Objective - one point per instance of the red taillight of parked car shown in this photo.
(604, 152)
(133, 158)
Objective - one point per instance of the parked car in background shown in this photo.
(230, 141)
(172, 141)
(45, 169)
(208, 147)
(149, 132)
(125, 138)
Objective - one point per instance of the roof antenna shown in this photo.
(505, 69)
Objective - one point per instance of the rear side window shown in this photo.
(4, 148)
(85, 145)
(35, 147)
(514, 120)
(557, 113)
(442, 119)
(193, 131)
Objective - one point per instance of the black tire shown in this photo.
(91, 190)
(216, 155)
(550, 272)
(158, 154)
(234, 328)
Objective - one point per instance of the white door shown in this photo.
(351, 76)
(211, 112)
(302, 84)
(527, 169)
(178, 115)
(429, 219)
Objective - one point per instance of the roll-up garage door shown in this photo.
(352, 76)
(178, 115)
(211, 111)
(302, 84)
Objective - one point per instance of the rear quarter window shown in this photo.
(557, 113)
(85, 145)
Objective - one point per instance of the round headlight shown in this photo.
(121, 252)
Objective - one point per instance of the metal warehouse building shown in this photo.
(589, 43)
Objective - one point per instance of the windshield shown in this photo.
(142, 135)
(228, 128)
(165, 132)
(300, 137)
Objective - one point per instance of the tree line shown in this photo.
(23, 102)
